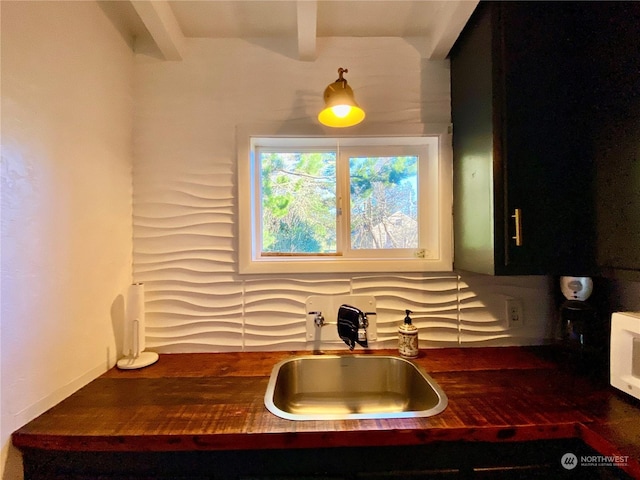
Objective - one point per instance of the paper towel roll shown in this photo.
(134, 322)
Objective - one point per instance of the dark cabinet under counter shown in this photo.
(523, 166)
(440, 460)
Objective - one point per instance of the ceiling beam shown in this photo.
(162, 24)
(455, 15)
(307, 21)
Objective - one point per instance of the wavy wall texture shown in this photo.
(185, 201)
(184, 253)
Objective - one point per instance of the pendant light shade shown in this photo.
(341, 109)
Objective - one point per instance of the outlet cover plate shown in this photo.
(514, 313)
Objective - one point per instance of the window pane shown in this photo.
(298, 198)
(384, 208)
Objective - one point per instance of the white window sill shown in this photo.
(288, 265)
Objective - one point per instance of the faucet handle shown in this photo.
(363, 324)
(318, 319)
(364, 321)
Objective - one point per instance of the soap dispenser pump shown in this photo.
(408, 337)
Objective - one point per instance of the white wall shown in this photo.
(185, 199)
(66, 202)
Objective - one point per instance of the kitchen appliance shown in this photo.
(578, 318)
(625, 352)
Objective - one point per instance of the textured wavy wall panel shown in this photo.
(183, 252)
(275, 311)
(185, 205)
(482, 310)
(432, 299)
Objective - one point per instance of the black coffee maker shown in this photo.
(578, 318)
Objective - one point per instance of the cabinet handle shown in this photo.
(517, 216)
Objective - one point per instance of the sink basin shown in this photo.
(336, 387)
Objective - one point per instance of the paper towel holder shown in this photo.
(143, 360)
(136, 358)
(134, 325)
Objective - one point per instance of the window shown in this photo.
(345, 204)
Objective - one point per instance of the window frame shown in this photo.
(439, 195)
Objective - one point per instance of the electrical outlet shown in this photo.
(514, 313)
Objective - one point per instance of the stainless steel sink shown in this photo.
(332, 387)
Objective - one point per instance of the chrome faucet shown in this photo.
(363, 324)
(318, 320)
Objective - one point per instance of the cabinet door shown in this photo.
(478, 237)
(517, 129)
(493, 215)
(521, 168)
(548, 169)
(615, 113)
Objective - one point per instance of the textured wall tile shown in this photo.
(432, 299)
(275, 310)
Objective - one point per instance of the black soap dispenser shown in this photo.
(408, 338)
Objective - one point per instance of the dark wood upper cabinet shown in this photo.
(614, 102)
(523, 159)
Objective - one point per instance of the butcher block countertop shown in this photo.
(196, 402)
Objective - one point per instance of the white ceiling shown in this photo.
(434, 24)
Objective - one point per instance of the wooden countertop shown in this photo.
(189, 402)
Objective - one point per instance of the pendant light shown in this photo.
(341, 109)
